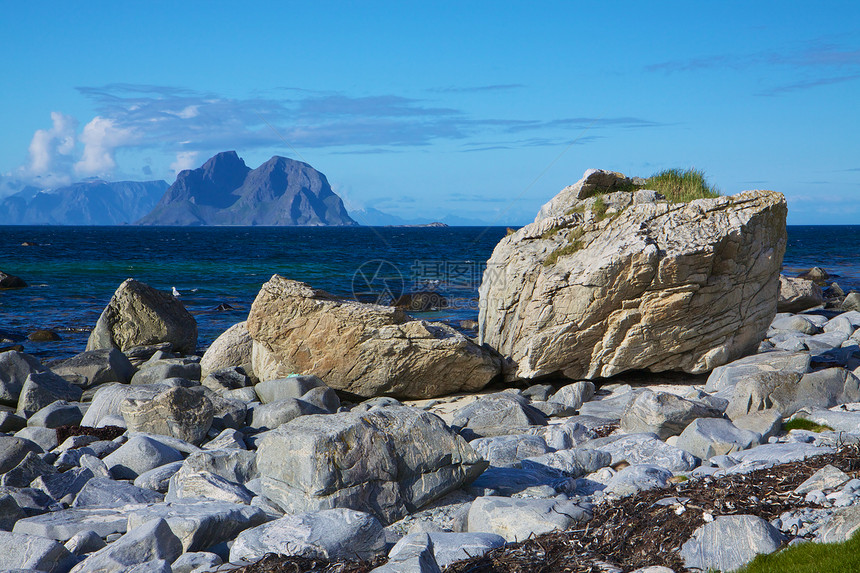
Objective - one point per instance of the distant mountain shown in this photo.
(225, 191)
(376, 218)
(91, 202)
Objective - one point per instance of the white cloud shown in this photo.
(101, 137)
(47, 144)
(184, 160)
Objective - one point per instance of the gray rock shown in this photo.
(274, 414)
(139, 315)
(552, 409)
(65, 524)
(788, 394)
(246, 395)
(155, 371)
(108, 399)
(13, 450)
(106, 493)
(95, 465)
(15, 367)
(228, 439)
(451, 547)
(574, 463)
(233, 378)
(84, 542)
(282, 388)
(158, 479)
(149, 542)
(22, 552)
(43, 388)
(662, 413)
(96, 367)
(840, 526)
(178, 412)
(636, 478)
(511, 481)
(827, 478)
(786, 363)
(11, 422)
(238, 466)
(56, 414)
(139, 455)
(26, 471)
(508, 451)
(794, 323)
(31, 501)
(496, 415)
(518, 519)
(206, 485)
(226, 412)
(730, 542)
(563, 436)
(709, 437)
(840, 421)
(58, 486)
(45, 438)
(199, 524)
(770, 454)
(389, 460)
(175, 443)
(538, 392)
(10, 512)
(573, 395)
(322, 397)
(412, 554)
(765, 423)
(645, 449)
(196, 562)
(326, 534)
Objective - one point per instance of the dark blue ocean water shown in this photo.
(73, 271)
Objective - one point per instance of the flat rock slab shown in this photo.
(147, 544)
(451, 547)
(517, 519)
(105, 493)
(65, 524)
(199, 524)
(327, 534)
(645, 449)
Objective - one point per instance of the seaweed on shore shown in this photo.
(103, 433)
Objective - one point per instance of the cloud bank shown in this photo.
(190, 125)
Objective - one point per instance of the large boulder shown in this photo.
(15, 367)
(139, 315)
(388, 461)
(364, 349)
(232, 348)
(607, 285)
(96, 367)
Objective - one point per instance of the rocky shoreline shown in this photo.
(351, 437)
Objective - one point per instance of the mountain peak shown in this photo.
(225, 191)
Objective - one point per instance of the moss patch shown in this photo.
(804, 424)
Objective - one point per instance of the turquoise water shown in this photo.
(73, 271)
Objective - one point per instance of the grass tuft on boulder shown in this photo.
(682, 186)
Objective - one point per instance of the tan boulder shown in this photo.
(614, 284)
(139, 315)
(796, 294)
(364, 349)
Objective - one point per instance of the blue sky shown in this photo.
(421, 109)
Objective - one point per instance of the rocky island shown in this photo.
(225, 191)
(642, 376)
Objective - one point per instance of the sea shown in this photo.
(218, 271)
